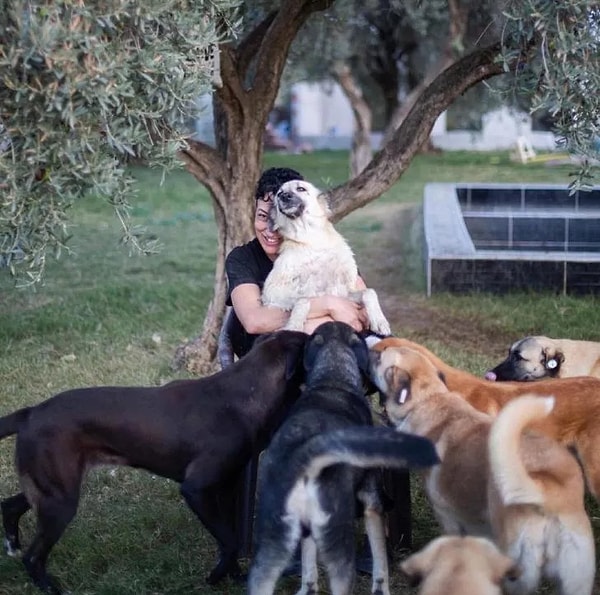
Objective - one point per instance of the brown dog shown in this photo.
(574, 421)
(200, 433)
(534, 358)
(524, 490)
(459, 566)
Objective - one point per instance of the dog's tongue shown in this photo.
(490, 376)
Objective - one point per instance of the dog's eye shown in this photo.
(301, 188)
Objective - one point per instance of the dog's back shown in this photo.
(332, 400)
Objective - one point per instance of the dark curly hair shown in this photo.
(271, 180)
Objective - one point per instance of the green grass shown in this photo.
(104, 316)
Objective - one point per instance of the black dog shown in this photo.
(200, 433)
(305, 493)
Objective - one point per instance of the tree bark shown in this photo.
(394, 158)
(361, 152)
(250, 77)
(456, 31)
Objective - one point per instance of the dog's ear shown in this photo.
(311, 350)
(399, 381)
(419, 565)
(361, 351)
(296, 345)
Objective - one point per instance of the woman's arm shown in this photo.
(257, 319)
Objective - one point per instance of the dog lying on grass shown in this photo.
(534, 358)
(314, 259)
(459, 566)
(312, 473)
(200, 433)
(496, 480)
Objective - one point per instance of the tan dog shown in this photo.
(533, 358)
(314, 259)
(459, 566)
(524, 490)
(574, 421)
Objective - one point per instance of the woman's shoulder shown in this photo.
(245, 251)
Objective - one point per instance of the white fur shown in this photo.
(314, 259)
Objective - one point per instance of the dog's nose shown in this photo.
(284, 197)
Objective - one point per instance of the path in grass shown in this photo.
(409, 311)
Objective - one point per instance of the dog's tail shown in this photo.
(366, 447)
(9, 424)
(513, 482)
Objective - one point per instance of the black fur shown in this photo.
(200, 433)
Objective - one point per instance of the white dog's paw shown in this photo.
(380, 327)
(298, 315)
(377, 321)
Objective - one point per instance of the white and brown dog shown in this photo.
(537, 357)
(524, 490)
(459, 566)
(314, 259)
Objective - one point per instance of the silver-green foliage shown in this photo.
(85, 86)
(564, 77)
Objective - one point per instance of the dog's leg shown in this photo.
(298, 315)
(310, 572)
(576, 552)
(272, 556)
(53, 516)
(13, 509)
(378, 323)
(376, 534)
(204, 503)
(371, 497)
(338, 554)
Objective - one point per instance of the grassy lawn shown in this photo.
(104, 316)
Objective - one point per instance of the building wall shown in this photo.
(322, 118)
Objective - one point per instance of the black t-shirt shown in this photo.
(245, 264)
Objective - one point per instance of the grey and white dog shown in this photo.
(320, 463)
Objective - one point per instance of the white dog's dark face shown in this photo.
(297, 199)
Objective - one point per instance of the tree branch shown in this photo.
(207, 166)
(274, 49)
(251, 44)
(395, 157)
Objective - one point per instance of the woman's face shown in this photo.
(269, 240)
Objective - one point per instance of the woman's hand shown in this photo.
(345, 310)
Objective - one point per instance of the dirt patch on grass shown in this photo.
(393, 261)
